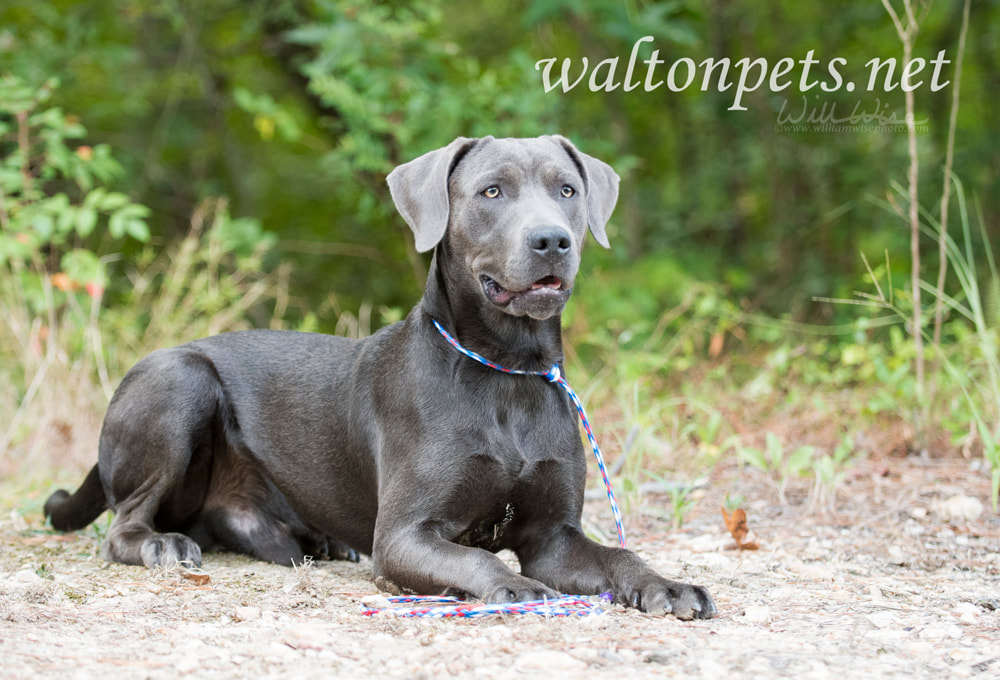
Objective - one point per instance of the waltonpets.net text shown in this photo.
(748, 75)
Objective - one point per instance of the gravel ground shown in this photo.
(903, 581)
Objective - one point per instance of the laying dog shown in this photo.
(281, 444)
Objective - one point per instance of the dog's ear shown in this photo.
(420, 191)
(601, 186)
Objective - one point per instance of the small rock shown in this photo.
(27, 577)
(939, 632)
(811, 571)
(710, 560)
(611, 656)
(757, 614)
(883, 619)
(17, 521)
(376, 601)
(967, 612)
(760, 667)
(888, 634)
(549, 660)
(247, 614)
(187, 664)
(785, 594)
(958, 508)
(896, 555)
(584, 654)
(304, 637)
(709, 668)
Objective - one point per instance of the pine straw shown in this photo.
(883, 586)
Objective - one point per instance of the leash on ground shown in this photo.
(451, 607)
(570, 605)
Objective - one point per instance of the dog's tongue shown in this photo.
(547, 282)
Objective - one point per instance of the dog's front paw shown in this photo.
(521, 590)
(657, 595)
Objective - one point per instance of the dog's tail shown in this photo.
(70, 512)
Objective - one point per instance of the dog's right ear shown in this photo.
(420, 191)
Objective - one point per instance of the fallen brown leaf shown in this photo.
(737, 525)
(197, 578)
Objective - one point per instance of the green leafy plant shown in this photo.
(774, 460)
(53, 210)
(733, 502)
(972, 360)
(681, 503)
(829, 472)
(69, 328)
(974, 366)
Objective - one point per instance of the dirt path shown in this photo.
(897, 584)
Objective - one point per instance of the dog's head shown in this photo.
(513, 212)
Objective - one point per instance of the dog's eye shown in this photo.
(567, 191)
(491, 192)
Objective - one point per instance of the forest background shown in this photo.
(174, 169)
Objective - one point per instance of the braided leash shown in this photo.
(553, 375)
(451, 607)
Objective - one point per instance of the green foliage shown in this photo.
(295, 111)
(829, 471)
(681, 503)
(247, 188)
(50, 199)
(58, 222)
(775, 459)
(972, 357)
(731, 503)
(379, 66)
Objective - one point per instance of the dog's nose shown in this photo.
(550, 242)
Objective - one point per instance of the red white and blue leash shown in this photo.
(553, 375)
(451, 607)
(567, 605)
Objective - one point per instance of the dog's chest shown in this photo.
(515, 461)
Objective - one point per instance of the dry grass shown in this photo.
(58, 367)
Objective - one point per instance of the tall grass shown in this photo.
(974, 366)
(60, 360)
(971, 357)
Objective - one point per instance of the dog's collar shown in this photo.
(553, 375)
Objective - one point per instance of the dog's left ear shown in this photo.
(601, 186)
(420, 191)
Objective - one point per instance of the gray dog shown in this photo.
(280, 444)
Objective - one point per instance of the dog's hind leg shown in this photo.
(132, 539)
(251, 532)
(246, 513)
(155, 453)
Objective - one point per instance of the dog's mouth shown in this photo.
(549, 287)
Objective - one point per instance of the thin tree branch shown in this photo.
(946, 191)
(895, 19)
